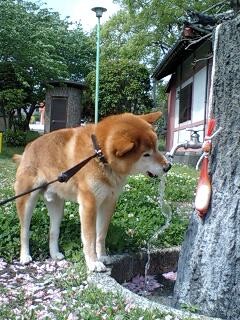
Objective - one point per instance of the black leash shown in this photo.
(66, 175)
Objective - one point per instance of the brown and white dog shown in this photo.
(129, 145)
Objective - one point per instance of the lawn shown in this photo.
(50, 290)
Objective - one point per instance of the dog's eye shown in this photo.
(146, 155)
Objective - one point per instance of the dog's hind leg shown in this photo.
(25, 207)
(55, 206)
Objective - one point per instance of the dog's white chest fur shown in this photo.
(103, 191)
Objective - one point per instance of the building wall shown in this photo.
(198, 107)
(193, 70)
(199, 95)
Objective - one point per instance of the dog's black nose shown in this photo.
(167, 167)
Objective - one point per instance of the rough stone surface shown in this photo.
(209, 264)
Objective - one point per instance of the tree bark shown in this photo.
(209, 263)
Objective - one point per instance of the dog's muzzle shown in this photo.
(167, 167)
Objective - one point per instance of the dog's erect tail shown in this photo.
(17, 158)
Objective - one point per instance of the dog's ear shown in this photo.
(151, 117)
(122, 146)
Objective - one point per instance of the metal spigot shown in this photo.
(193, 143)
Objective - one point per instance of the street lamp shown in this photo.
(99, 12)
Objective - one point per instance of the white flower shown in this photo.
(72, 316)
(127, 187)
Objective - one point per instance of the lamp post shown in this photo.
(99, 12)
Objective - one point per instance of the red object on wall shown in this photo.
(211, 126)
(204, 188)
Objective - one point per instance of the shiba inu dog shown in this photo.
(129, 146)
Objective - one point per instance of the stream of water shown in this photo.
(147, 284)
(167, 213)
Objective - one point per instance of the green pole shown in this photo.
(97, 71)
(1, 141)
(99, 12)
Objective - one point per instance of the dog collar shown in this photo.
(98, 150)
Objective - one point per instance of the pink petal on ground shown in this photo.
(170, 275)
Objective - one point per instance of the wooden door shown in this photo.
(58, 113)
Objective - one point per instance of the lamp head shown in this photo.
(99, 11)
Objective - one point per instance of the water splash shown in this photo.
(166, 211)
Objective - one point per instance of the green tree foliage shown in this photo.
(11, 99)
(144, 30)
(124, 87)
(37, 46)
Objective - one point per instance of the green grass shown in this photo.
(138, 216)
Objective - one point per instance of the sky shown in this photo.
(80, 10)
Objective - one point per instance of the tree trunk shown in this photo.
(209, 264)
(29, 114)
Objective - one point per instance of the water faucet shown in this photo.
(193, 143)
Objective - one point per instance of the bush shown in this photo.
(32, 135)
(161, 143)
(124, 87)
(181, 184)
(15, 138)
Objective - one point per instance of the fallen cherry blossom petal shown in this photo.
(35, 285)
(142, 285)
(170, 275)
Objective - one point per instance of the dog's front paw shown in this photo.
(57, 256)
(25, 259)
(96, 266)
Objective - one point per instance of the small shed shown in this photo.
(63, 104)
